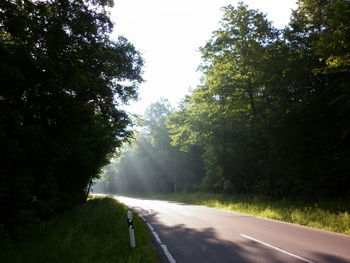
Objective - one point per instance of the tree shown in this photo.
(317, 39)
(151, 164)
(325, 26)
(271, 112)
(62, 81)
(226, 114)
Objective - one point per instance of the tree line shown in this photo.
(62, 83)
(270, 117)
(150, 163)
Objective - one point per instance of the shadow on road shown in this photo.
(328, 258)
(204, 246)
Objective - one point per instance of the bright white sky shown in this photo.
(168, 33)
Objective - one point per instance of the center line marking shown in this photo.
(281, 250)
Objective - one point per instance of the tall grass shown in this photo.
(94, 232)
(328, 215)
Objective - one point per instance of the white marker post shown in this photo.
(131, 230)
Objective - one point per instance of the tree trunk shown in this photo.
(88, 189)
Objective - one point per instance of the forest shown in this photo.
(62, 83)
(270, 117)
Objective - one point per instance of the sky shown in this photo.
(169, 33)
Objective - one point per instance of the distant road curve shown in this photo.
(200, 234)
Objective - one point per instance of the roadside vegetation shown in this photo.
(270, 118)
(93, 232)
(63, 80)
(328, 215)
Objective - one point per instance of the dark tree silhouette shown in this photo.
(62, 80)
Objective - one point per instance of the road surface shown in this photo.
(200, 234)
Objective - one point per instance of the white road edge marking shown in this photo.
(165, 249)
(281, 250)
(157, 237)
(150, 227)
(162, 245)
(167, 253)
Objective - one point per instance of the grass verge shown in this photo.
(328, 215)
(94, 232)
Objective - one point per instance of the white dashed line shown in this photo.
(276, 248)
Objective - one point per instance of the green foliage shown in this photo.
(226, 115)
(271, 113)
(151, 163)
(94, 232)
(269, 118)
(62, 80)
(326, 26)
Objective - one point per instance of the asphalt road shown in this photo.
(200, 234)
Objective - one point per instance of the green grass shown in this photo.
(94, 232)
(328, 215)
